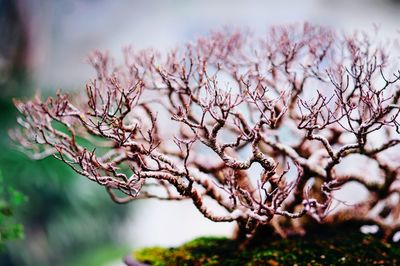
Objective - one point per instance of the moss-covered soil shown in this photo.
(340, 248)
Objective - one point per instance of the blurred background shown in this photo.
(43, 47)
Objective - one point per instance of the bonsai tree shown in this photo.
(259, 131)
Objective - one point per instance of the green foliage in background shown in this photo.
(67, 217)
(10, 199)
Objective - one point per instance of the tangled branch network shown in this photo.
(264, 131)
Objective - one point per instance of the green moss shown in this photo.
(327, 249)
(154, 255)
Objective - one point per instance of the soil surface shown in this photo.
(336, 247)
